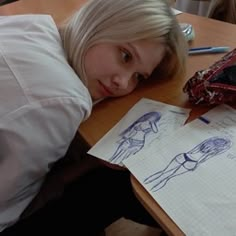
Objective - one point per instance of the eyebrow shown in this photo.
(136, 54)
(135, 51)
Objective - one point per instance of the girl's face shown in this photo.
(114, 69)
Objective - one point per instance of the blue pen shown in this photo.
(202, 50)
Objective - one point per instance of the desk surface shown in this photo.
(59, 10)
(106, 114)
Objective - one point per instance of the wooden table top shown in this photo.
(59, 9)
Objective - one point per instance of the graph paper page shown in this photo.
(192, 174)
(146, 122)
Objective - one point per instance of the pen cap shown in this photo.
(188, 31)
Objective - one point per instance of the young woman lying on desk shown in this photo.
(50, 78)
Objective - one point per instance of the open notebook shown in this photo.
(192, 174)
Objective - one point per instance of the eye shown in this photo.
(126, 56)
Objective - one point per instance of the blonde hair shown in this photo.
(224, 10)
(121, 21)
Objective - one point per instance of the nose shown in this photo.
(121, 81)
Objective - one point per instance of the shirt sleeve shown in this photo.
(33, 138)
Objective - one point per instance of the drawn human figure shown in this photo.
(133, 138)
(189, 161)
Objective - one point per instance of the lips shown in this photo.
(105, 90)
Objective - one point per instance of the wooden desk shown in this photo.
(106, 114)
(59, 9)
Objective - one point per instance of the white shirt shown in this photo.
(42, 103)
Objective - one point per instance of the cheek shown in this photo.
(130, 88)
(132, 85)
(98, 61)
(93, 63)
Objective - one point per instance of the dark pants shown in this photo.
(86, 207)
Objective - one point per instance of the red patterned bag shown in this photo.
(215, 85)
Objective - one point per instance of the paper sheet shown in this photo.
(192, 174)
(146, 122)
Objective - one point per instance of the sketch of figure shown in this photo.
(133, 138)
(188, 161)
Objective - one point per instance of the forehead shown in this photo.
(150, 53)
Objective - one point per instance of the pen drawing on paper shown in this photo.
(147, 122)
(188, 161)
(132, 139)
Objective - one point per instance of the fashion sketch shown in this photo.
(132, 139)
(189, 161)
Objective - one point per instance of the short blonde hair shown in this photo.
(121, 21)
